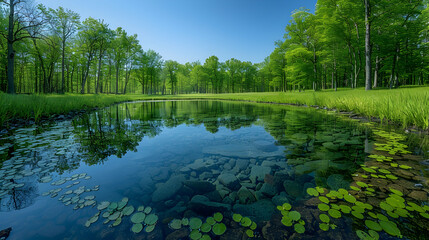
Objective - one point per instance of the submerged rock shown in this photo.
(200, 186)
(258, 173)
(292, 188)
(167, 190)
(245, 196)
(268, 190)
(202, 205)
(229, 180)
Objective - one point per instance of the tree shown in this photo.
(171, 68)
(22, 16)
(64, 23)
(212, 67)
(89, 37)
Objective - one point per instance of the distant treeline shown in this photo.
(346, 43)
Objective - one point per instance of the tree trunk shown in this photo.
(377, 67)
(368, 67)
(63, 82)
(117, 78)
(10, 51)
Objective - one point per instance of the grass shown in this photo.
(406, 106)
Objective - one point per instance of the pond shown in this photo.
(212, 170)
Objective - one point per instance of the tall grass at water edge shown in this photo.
(407, 106)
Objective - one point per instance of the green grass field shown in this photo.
(406, 106)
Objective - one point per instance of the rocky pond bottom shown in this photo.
(212, 170)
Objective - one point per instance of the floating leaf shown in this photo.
(350, 198)
(323, 207)
(219, 228)
(390, 228)
(205, 227)
(138, 217)
(253, 226)
(312, 192)
(151, 219)
(362, 184)
(149, 228)
(218, 217)
(320, 190)
(373, 225)
(176, 224)
(357, 214)
(324, 218)
(324, 199)
(114, 216)
(103, 205)
(334, 213)
(195, 223)
(324, 226)
(185, 221)
(205, 237)
(237, 217)
(286, 206)
(397, 192)
(294, 215)
(211, 220)
(345, 209)
(195, 234)
(138, 227)
(246, 222)
(147, 210)
(117, 222)
(249, 233)
(127, 211)
(299, 228)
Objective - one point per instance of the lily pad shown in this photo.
(151, 219)
(195, 234)
(138, 217)
(294, 215)
(219, 228)
(246, 222)
(205, 227)
(211, 220)
(286, 206)
(390, 228)
(147, 210)
(324, 226)
(349, 198)
(137, 228)
(195, 223)
(324, 218)
(324, 199)
(149, 228)
(249, 233)
(312, 192)
(323, 207)
(299, 228)
(218, 217)
(127, 211)
(373, 225)
(334, 213)
(176, 224)
(117, 222)
(237, 217)
(114, 216)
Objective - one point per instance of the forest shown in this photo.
(345, 43)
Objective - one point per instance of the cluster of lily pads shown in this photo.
(291, 218)
(245, 222)
(393, 146)
(73, 196)
(114, 212)
(200, 230)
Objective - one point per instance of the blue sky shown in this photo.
(191, 30)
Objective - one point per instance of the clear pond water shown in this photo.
(212, 170)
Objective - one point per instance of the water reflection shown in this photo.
(188, 159)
